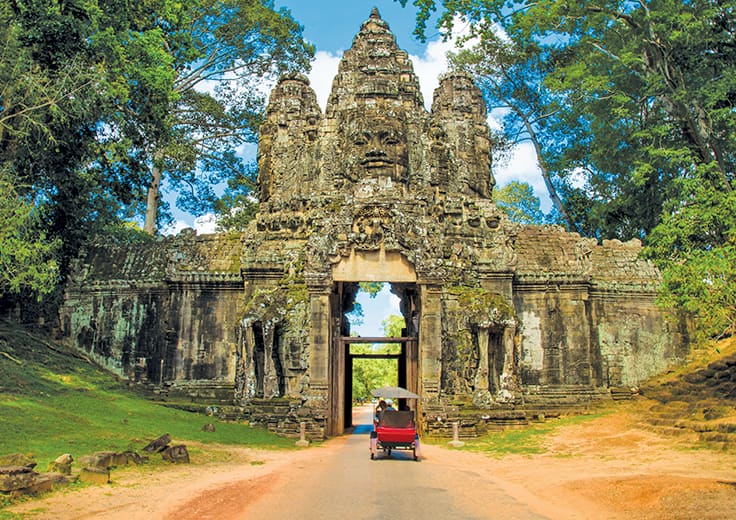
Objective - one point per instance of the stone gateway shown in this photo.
(500, 317)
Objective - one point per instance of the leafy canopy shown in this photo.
(630, 106)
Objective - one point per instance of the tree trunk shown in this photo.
(545, 175)
(152, 199)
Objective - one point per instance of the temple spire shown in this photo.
(375, 14)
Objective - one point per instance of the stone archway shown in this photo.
(369, 266)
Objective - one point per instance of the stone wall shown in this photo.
(375, 189)
(159, 312)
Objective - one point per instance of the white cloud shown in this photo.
(205, 224)
(430, 67)
(202, 225)
(522, 166)
(324, 69)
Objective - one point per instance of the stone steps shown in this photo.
(537, 403)
(717, 435)
(205, 391)
(565, 394)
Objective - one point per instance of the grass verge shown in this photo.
(52, 402)
(529, 440)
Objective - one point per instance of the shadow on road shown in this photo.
(362, 429)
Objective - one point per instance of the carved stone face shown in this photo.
(376, 147)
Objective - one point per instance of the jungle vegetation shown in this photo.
(102, 100)
(631, 109)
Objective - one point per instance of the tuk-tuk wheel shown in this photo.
(372, 456)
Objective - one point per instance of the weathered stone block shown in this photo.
(45, 482)
(16, 477)
(95, 475)
(158, 445)
(62, 464)
(177, 454)
(17, 459)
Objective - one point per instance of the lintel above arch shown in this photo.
(374, 266)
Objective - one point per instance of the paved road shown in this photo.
(345, 483)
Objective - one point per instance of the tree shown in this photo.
(643, 97)
(518, 201)
(238, 205)
(372, 288)
(194, 98)
(54, 96)
(97, 98)
(512, 82)
(369, 374)
(393, 326)
(27, 258)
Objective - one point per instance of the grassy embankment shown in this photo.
(53, 401)
(698, 406)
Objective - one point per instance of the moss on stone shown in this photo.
(481, 306)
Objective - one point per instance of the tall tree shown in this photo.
(53, 100)
(644, 97)
(512, 81)
(194, 90)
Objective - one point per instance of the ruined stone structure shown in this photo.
(374, 189)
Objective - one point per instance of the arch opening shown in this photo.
(373, 332)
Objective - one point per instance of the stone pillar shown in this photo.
(481, 376)
(430, 338)
(510, 380)
(319, 337)
(320, 343)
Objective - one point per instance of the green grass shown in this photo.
(524, 441)
(53, 402)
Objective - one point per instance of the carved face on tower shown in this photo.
(376, 146)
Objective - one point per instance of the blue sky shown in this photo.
(332, 24)
(375, 310)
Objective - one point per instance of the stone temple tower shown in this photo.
(375, 189)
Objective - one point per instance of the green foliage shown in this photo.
(124, 233)
(52, 402)
(704, 286)
(393, 326)
(630, 109)
(369, 374)
(372, 288)
(695, 245)
(207, 102)
(54, 103)
(98, 97)
(27, 261)
(238, 206)
(518, 201)
(523, 441)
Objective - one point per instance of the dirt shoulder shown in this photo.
(614, 467)
(609, 467)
